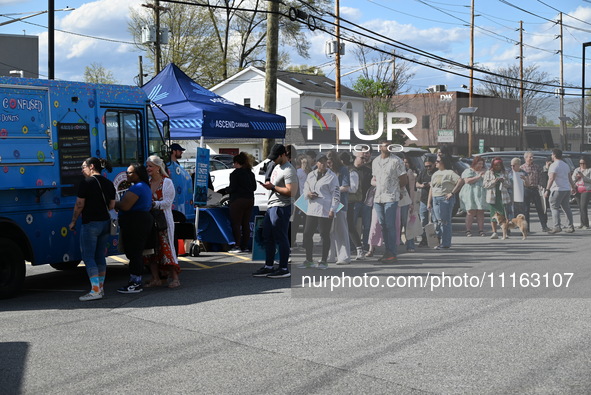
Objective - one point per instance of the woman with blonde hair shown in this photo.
(164, 257)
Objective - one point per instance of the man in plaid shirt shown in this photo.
(532, 192)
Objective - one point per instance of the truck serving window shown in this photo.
(124, 138)
(156, 137)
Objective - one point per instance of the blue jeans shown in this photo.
(386, 213)
(424, 214)
(410, 243)
(363, 210)
(442, 209)
(275, 233)
(94, 237)
(558, 200)
(532, 195)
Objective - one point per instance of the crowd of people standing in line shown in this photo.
(380, 198)
(355, 205)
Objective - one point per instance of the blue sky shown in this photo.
(439, 27)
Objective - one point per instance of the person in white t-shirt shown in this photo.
(560, 185)
(519, 180)
(389, 176)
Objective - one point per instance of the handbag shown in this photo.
(114, 224)
(581, 186)
(405, 199)
(413, 226)
(159, 219)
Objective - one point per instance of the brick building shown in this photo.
(443, 117)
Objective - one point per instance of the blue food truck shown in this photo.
(47, 128)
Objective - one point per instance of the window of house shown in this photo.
(426, 122)
(442, 121)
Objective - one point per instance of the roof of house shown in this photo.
(300, 82)
(313, 83)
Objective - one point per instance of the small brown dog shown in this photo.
(517, 222)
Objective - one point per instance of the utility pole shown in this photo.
(141, 76)
(271, 66)
(157, 43)
(521, 111)
(563, 135)
(337, 62)
(51, 39)
(471, 91)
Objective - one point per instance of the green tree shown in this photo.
(382, 79)
(96, 73)
(543, 121)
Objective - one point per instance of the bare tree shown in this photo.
(214, 40)
(507, 85)
(96, 73)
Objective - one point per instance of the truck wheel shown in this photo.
(71, 265)
(12, 268)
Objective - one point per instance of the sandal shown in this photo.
(174, 284)
(153, 283)
(481, 233)
(468, 233)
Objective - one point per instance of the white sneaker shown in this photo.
(343, 262)
(360, 255)
(91, 296)
(494, 235)
(235, 250)
(307, 265)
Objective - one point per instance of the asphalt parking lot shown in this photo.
(224, 331)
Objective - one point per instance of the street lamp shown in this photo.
(585, 45)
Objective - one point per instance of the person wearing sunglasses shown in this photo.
(582, 178)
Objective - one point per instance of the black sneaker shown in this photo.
(279, 273)
(131, 288)
(262, 272)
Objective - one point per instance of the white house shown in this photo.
(297, 95)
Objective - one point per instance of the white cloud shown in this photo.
(101, 20)
(349, 13)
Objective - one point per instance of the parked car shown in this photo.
(218, 165)
(227, 159)
(540, 157)
(221, 179)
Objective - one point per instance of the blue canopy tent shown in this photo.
(196, 112)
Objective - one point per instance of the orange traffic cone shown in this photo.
(181, 247)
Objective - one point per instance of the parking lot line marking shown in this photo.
(238, 256)
(201, 265)
(227, 264)
(117, 258)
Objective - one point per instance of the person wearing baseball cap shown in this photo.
(183, 183)
(176, 147)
